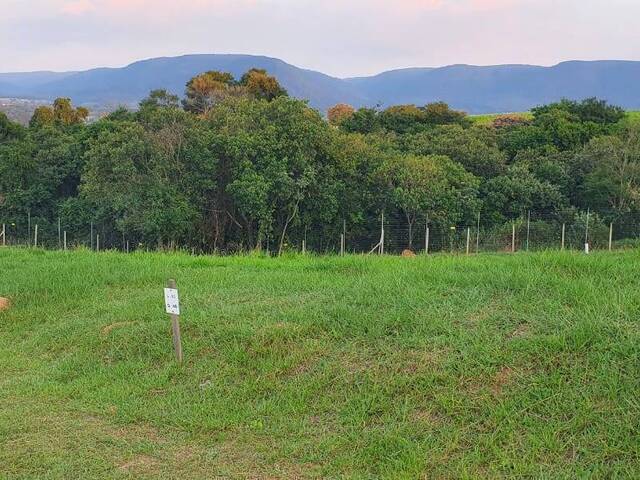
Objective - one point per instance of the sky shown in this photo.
(338, 37)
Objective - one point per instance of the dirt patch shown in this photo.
(521, 331)
(140, 465)
(110, 328)
(501, 380)
(5, 304)
(427, 417)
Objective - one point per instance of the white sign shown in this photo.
(171, 301)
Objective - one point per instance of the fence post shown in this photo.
(4, 235)
(513, 237)
(342, 244)
(29, 226)
(97, 243)
(611, 236)
(564, 227)
(426, 241)
(65, 240)
(586, 232)
(304, 241)
(528, 228)
(478, 235)
(344, 236)
(35, 237)
(59, 234)
(382, 236)
(468, 239)
(91, 234)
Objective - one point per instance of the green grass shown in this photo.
(523, 365)
(487, 119)
(632, 117)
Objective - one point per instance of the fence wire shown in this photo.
(531, 232)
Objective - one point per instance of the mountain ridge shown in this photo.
(473, 88)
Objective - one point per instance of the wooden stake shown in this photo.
(611, 236)
(564, 228)
(64, 239)
(175, 327)
(342, 244)
(97, 243)
(35, 237)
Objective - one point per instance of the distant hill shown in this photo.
(491, 89)
(506, 88)
(130, 84)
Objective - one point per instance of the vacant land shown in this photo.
(523, 365)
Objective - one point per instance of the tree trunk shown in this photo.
(286, 225)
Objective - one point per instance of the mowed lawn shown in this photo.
(496, 366)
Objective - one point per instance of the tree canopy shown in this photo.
(238, 165)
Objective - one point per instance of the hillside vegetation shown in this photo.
(493, 366)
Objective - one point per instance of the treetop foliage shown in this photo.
(205, 90)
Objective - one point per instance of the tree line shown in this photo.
(237, 163)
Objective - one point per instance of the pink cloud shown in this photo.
(456, 6)
(155, 8)
(78, 7)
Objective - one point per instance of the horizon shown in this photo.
(393, 69)
(78, 35)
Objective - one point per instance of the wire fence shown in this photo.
(530, 232)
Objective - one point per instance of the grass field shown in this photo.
(487, 119)
(495, 366)
(632, 117)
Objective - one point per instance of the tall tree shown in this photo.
(205, 90)
(260, 85)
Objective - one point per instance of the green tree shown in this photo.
(62, 113)
(517, 191)
(439, 113)
(476, 149)
(433, 187)
(160, 99)
(403, 118)
(612, 184)
(132, 186)
(363, 120)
